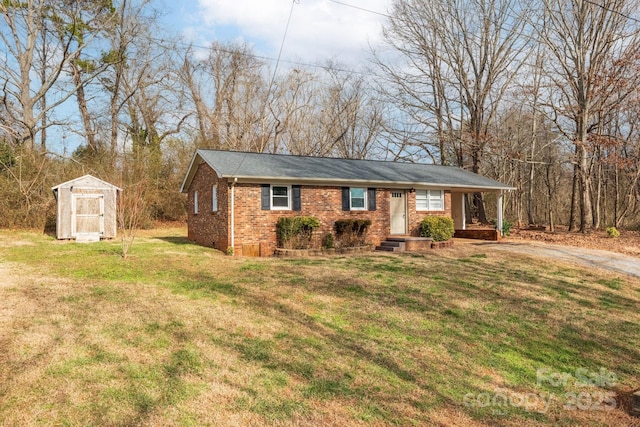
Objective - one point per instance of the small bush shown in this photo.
(328, 242)
(439, 228)
(296, 232)
(506, 226)
(351, 232)
(612, 232)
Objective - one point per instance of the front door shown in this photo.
(398, 210)
(87, 214)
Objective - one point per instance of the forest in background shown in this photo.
(540, 95)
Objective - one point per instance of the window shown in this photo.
(195, 202)
(280, 198)
(358, 198)
(429, 200)
(214, 199)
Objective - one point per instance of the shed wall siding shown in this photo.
(254, 226)
(85, 186)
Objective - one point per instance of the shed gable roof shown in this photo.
(264, 167)
(88, 181)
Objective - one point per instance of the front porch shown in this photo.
(459, 215)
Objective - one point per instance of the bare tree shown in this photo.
(227, 93)
(593, 48)
(461, 52)
(40, 38)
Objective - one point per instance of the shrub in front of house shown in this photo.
(351, 232)
(296, 232)
(328, 241)
(439, 228)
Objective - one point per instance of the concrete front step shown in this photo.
(391, 246)
(404, 243)
(387, 248)
(400, 245)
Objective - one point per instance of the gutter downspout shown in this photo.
(233, 216)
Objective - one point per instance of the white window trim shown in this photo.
(195, 202)
(429, 198)
(366, 205)
(280, 208)
(214, 198)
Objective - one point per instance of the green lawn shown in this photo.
(178, 334)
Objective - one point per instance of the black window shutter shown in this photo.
(297, 200)
(345, 199)
(371, 198)
(266, 197)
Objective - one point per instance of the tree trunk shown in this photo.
(534, 131)
(574, 197)
(550, 199)
(586, 217)
(597, 196)
(92, 144)
(616, 196)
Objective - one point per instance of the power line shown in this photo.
(261, 57)
(616, 12)
(284, 37)
(360, 8)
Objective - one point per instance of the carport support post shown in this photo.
(463, 204)
(499, 222)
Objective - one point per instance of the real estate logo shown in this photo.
(582, 390)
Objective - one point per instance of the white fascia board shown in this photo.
(364, 183)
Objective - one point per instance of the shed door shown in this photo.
(87, 214)
(398, 210)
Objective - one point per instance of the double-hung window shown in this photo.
(214, 199)
(357, 199)
(280, 197)
(195, 202)
(429, 200)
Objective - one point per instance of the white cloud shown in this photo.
(319, 29)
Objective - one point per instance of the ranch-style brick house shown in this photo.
(236, 198)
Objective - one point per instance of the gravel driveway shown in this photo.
(606, 260)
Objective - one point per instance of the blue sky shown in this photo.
(319, 29)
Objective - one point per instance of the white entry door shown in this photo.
(398, 210)
(87, 214)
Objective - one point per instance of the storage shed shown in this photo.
(86, 209)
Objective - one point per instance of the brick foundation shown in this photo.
(480, 234)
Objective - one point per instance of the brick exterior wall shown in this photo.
(416, 217)
(209, 228)
(254, 226)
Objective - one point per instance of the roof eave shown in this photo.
(376, 183)
(107, 184)
(191, 171)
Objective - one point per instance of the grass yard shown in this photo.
(182, 335)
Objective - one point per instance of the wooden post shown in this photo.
(499, 222)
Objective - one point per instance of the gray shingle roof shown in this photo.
(258, 166)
